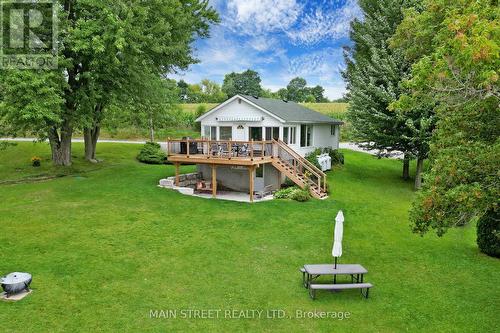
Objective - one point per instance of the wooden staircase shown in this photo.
(299, 170)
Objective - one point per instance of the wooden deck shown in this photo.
(250, 154)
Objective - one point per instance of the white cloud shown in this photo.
(254, 17)
(329, 21)
(323, 65)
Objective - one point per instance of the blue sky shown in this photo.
(281, 39)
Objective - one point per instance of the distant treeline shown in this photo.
(248, 83)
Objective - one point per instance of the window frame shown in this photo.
(306, 139)
(230, 128)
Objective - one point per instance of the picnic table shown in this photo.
(312, 272)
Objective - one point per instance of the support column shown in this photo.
(279, 179)
(177, 174)
(251, 178)
(214, 180)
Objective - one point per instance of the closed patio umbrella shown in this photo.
(337, 239)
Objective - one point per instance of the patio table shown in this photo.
(312, 272)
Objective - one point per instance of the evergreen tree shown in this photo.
(374, 73)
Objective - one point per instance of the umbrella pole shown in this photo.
(335, 263)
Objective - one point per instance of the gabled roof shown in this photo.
(284, 111)
(291, 111)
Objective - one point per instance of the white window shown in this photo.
(272, 133)
(293, 135)
(333, 129)
(225, 133)
(210, 132)
(305, 135)
(289, 135)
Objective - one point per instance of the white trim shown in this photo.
(239, 119)
(246, 100)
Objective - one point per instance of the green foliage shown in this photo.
(374, 74)
(284, 193)
(456, 46)
(151, 153)
(246, 83)
(336, 156)
(109, 53)
(300, 195)
(312, 157)
(297, 90)
(488, 233)
(293, 193)
(205, 92)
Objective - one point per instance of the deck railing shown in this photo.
(226, 149)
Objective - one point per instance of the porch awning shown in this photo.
(245, 119)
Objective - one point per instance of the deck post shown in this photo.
(214, 180)
(250, 175)
(177, 174)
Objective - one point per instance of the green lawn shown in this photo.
(105, 245)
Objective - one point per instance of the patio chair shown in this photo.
(268, 189)
(203, 187)
(243, 150)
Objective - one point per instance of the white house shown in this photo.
(243, 118)
(267, 138)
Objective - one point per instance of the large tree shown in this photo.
(297, 89)
(374, 74)
(246, 83)
(458, 46)
(104, 46)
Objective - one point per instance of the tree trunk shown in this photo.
(151, 130)
(406, 167)
(418, 173)
(90, 137)
(60, 145)
(91, 134)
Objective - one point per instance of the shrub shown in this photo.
(151, 153)
(36, 161)
(336, 156)
(488, 233)
(293, 193)
(300, 195)
(284, 193)
(311, 157)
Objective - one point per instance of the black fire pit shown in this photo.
(15, 283)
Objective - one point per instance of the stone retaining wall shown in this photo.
(185, 180)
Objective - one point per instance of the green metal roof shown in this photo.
(291, 111)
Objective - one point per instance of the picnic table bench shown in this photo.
(356, 271)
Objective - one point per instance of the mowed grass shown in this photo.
(105, 246)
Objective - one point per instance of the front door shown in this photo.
(239, 133)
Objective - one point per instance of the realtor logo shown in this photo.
(28, 34)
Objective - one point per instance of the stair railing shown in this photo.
(300, 165)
